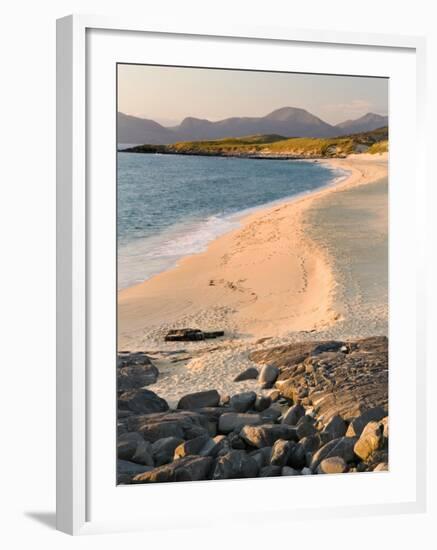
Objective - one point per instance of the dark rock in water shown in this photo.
(268, 375)
(262, 403)
(190, 468)
(281, 452)
(293, 415)
(179, 424)
(332, 465)
(134, 377)
(234, 465)
(133, 447)
(127, 470)
(231, 421)
(141, 401)
(242, 402)
(358, 424)
(209, 398)
(265, 435)
(270, 471)
(249, 374)
(342, 447)
(163, 449)
(191, 335)
(191, 447)
(335, 428)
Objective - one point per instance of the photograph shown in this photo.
(252, 274)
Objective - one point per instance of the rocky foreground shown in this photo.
(322, 408)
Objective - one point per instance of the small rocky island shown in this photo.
(322, 408)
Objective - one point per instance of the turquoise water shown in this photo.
(170, 206)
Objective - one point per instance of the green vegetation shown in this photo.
(274, 146)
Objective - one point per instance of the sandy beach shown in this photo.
(307, 268)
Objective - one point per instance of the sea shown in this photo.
(171, 206)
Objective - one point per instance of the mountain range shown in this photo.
(287, 121)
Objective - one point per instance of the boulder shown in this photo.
(163, 449)
(271, 414)
(234, 465)
(189, 468)
(371, 439)
(191, 447)
(265, 435)
(262, 456)
(334, 429)
(231, 421)
(179, 424)
(249, 374)
(235, 441)
(342, 447)
(305, 427)
(358, 424)
(270, 471)
(332, 465)
(213, 446)
(141, 401)
(268, 376)
(281, 452)
(310, 445)
(287, 471)
(132, 446)
(209, 398)
(293, 415)
(306, 472)
(127, 470)
(242, 402)
(297, 458)
(262, 403)
(136, 376)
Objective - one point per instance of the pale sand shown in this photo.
(312, 267)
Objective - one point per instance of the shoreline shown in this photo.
(294, 264)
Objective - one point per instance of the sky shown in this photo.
(169, 94)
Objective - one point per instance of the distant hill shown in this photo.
(274, 146)
(366, 123)
(287, 121)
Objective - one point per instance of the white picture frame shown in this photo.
(76, 394)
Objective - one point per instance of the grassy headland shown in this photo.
(275, 146)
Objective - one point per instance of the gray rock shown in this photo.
(281, 452)
(141, 401)
(262, 403)
(230, 422)
(371, 439)
(270, 471)
(132, 446)
(189, 468)
(262, 456)
(127, 470)
(271, 414)
(136, 376)
(297, 458)
(305, 427)
(268, 375)
(234, 465)
(293, 415)
(191, 447)
(249, 374)
(334, 429)
(332, 465)
(342, 447)
(242, 402)
(265, 435)
(306, 472)
(213, 446)
(209, 398)
(180, 424)
(358, 424)
(287, 471)
(163, 449)
(236, 442)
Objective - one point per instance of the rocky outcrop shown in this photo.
(326, 414)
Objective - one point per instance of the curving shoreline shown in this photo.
(230, 285)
